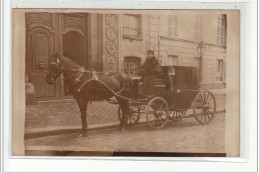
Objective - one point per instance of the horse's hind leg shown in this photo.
(83, 112)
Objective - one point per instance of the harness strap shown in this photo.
(95, 78)
(112, 101)
(115, 93)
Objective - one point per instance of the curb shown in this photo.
(41, 132)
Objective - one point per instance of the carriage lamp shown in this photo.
(201, 51)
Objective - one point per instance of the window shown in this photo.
(221, 30)
(220, 70)
(131, 65)
(199, 28)
(173, 26)
(132, 25)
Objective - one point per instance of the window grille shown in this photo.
(172, 26)
(132, 25)
(131, 65)
(199, 28)
(221, 30)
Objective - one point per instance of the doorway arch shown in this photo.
(73, 47)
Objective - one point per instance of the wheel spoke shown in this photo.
(156, 122)
(209, 114)
(163, 109)
(207, 98)
(161, 118)
(135, 115)
(200, 111)
(212, 103)
(201, 99)
(161, 106)
(205, 116)
(178, 116)
(135, 118)
(210, 99)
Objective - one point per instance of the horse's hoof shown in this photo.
(82, 135)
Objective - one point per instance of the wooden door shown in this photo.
(47, 33)
(74, 40)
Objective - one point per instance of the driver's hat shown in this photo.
(150, 51)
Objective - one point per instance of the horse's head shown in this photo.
(54, 69)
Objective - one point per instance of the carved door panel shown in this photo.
(48, 33)
(40, 45)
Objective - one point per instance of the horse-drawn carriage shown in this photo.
(177, 91)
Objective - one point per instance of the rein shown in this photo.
(94, 78)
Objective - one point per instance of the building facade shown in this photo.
(180, 38)
(119, 42)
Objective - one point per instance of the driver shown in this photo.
(150, 70)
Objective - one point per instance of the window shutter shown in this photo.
(224, 70)
(175, 29)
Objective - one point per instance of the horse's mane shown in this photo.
(70, 63)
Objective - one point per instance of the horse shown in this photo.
(87, 86)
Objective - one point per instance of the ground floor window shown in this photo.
(220, 70)
(131, 65)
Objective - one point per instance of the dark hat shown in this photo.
(150, 51)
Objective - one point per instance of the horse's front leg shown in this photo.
(124, 105)
(83, 113)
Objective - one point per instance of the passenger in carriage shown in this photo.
(150, 70)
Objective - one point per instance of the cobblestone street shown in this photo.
(66, 113)
(183, 136)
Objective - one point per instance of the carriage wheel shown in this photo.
(204, 107)
(133, 116)
(176, 115)
(157, 113)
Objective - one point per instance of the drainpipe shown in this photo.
(201, 49)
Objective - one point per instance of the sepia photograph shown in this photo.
(143, 83)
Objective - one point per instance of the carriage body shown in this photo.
(178, 85)
(181, 84)
(176, 91)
